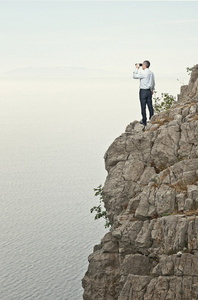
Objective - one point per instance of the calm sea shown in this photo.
(53, 135)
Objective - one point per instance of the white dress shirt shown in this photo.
(147, 78)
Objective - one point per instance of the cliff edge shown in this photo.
(151, 196)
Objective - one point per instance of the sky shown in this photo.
(106, 37)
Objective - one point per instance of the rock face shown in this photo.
(151, 196)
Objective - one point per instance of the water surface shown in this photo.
(54, 133)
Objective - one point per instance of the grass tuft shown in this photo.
(195, 117)
(181, 185)
(162, 121)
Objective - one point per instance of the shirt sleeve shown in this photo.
(153, 87)
(138, 75)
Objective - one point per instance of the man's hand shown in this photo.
(137, 66)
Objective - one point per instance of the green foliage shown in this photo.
(100, 210)
(164, 102)
(189, 70)
(166, 214)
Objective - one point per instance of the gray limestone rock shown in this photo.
(151, 198)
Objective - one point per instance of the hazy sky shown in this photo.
(106, 35)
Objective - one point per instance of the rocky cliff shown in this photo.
(151, 196)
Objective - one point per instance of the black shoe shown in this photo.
(141, 122)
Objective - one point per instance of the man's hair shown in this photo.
(147, 63)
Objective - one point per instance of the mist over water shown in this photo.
(54, 133)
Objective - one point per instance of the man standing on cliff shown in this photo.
(147, 86)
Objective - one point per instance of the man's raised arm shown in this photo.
(138, 75)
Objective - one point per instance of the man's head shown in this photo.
(145, 64)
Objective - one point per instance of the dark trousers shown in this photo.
(146, 99)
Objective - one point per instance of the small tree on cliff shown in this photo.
(100, 210)
(164, 102)
(189, 70)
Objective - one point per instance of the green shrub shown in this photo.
(100, 210)
(189, 70)
(163, 103)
